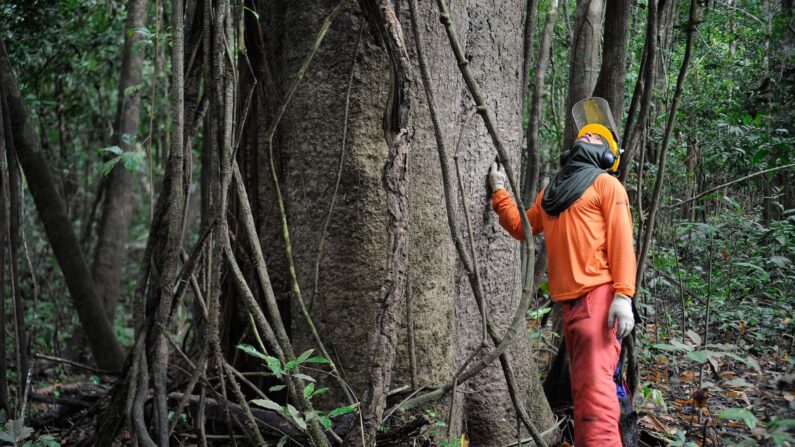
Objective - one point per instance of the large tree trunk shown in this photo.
(110, 251)
(104, 346)
(352, 265)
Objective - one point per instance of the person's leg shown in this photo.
(594, 351)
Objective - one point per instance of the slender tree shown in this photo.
(104, 346)
(583, 59)
(110, 251)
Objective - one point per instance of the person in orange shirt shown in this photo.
(585, 217)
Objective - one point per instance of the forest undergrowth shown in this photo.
(717, 338)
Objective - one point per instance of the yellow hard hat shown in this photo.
(605, 133)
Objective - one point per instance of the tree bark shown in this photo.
(110, 252)
(352, 264)
(584, 59)
(632, 133)
(5, 404)
(613, 73)
(398, 134)
(104, 346)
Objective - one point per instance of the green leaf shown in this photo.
(16, 431)
(131, 160)
(293, 412)
(142, 31)
(782, 424)
(317, 360)
(748, 361)
(276, 388)
(115, 150)
(269, 404)
(339, 411)
(699, 356)
(667, 347)
(303, 377)
(46, 441)
(301, 358)
(732, 202)
(283, 440)
(109, 165)
(310, 388)
(537, 314)
(250, 350)
(325, 422)
(754, 267)
(759, 156)
(275, 366)
(740, 413)
(319, 391)
(782, 439)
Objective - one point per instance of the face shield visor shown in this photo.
(593, 113)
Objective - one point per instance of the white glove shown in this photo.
(497, 177)
(621, 310)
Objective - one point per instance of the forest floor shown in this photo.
(731, 396)
(721, 395)
(737, 392)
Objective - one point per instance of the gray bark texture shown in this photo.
(353, 263)
(110, 251)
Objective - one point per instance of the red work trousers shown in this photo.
(593, 350)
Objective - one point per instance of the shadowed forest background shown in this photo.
(267, 222)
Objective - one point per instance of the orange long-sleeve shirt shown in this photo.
(588, 245)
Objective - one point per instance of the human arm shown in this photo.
(620, 252)
(507, 210)
(618, 219)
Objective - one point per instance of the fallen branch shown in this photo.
(727, 184)
(77, 364)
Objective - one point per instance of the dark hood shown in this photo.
(573, 179)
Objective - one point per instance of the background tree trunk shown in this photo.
(613, 73)
(110, 252)
(104, 346)
(584, 59)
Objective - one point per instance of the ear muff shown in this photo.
(611, 157)
(607, 160)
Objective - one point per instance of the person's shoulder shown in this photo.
(607, 180)
(609, 185)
